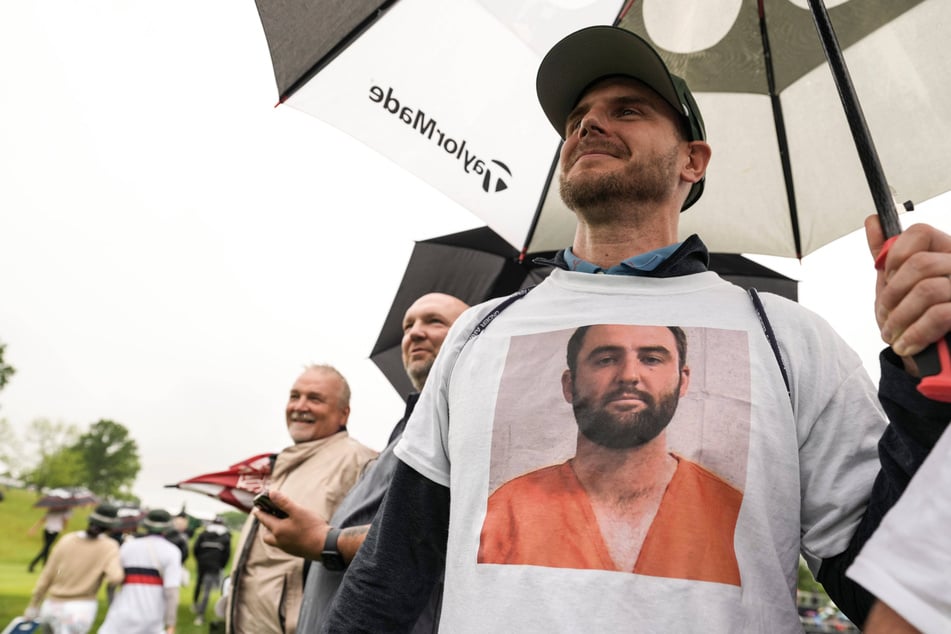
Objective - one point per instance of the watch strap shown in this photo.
(330, 557)
(330, 542)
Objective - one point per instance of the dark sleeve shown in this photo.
(390, 581)
(915, 425)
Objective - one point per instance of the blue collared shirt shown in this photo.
(636, 265)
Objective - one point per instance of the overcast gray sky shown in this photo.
(174, 248)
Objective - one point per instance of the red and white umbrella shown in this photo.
(236, 486)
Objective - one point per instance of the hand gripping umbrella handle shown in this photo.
(934, 362)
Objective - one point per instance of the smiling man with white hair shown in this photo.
(318, 469)
(333, 544)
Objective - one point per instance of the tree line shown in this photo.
(104, 458)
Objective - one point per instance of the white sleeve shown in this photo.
(907, 561)
(839, 423)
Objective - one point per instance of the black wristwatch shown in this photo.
(330, 557)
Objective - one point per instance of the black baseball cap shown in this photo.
(596, 52)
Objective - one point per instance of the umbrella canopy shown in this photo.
(66, 498)
(447, 91)
(236, 486)
(128, 518)
(477, 265)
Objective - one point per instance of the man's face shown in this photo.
(622, 142)
(425, 325)
(313, 407)
(627, 384)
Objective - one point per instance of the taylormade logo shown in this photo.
(459, 150)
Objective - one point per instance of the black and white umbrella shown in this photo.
(446, 90)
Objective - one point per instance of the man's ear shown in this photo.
(684, 380)
(698, 160)
(566, 385)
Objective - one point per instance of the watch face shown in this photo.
(332, 560)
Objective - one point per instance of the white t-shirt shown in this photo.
(907, 561)
(56, 520)
(493, 409)
(140, 607)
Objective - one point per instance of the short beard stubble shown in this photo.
(645, 181)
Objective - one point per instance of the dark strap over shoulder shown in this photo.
(508, 301)
(754, 297)
(770, 336)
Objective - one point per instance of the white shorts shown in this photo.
(75, 616)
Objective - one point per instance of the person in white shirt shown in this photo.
(906, 563)
(148, 598)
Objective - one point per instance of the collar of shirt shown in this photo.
(637, 265)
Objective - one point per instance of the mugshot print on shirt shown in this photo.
(623, 448)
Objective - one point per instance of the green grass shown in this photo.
(17, 549)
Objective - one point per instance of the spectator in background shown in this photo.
(184, 524)
(147, 602)
(177, 535)
(334, 544)
(64, 598)
(212, 550)
(319, 468)
(54, 522)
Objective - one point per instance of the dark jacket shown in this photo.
(212, 548)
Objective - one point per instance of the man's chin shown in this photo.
(299, 428)
(417, 371)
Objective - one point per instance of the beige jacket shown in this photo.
(267, 583)
(76, 568)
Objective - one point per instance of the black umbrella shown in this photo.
(477, 265)
(66, 498)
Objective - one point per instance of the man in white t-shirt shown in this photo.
(782, 406)
(148, 598)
